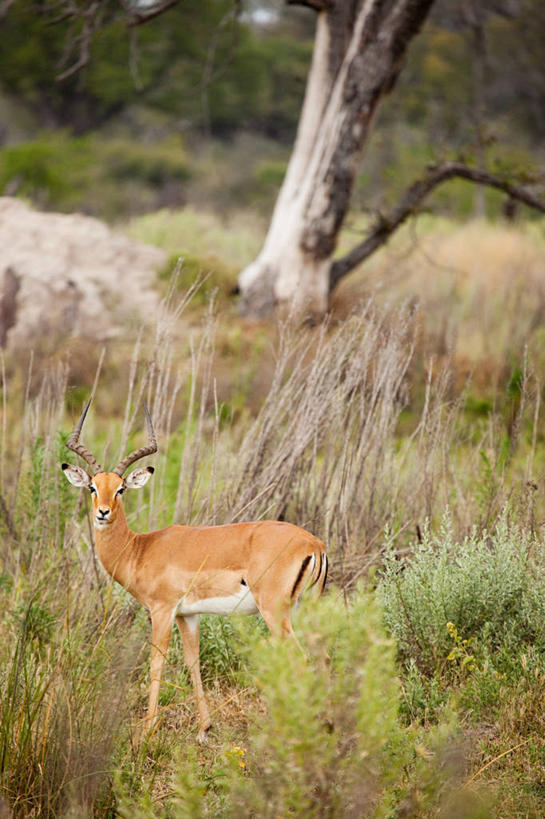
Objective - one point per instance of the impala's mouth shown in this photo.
(101, 523)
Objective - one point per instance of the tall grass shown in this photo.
(478, 284)
(350, 442)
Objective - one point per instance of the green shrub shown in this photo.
(99, 175)
(186, 269)
(268, 175)
(458, 605)
(127, 160)
(64, 702)
(330, 742)
(33, 169)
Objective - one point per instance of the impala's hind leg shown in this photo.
(189, 630)
(277, 612)
(279, 626)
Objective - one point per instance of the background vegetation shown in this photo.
(200, 106)
(407, 432)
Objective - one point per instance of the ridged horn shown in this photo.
(73, 443)
(139, 453)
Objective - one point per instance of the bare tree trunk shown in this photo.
(359, 49)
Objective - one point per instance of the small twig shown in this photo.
(91, 20)
(491, 762)
(139, 17)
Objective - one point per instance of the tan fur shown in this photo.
(194, 563)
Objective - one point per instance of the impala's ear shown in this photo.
(139, 478)
(77, 475)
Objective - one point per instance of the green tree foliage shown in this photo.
(198, 64)
(198, 68)
(434, 90)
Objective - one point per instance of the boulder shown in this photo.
(69, 275)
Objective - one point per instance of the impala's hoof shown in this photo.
(202, 736)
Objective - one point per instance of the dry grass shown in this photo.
(480, 288)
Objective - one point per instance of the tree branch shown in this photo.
(137, 18)
(317, 5)
(84, 20)
(410, 203)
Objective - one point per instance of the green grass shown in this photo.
(235, 240)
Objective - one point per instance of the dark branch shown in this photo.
(137, 18)
(84, 21)
(317, 5)
(410, 204)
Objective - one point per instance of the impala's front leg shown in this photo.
(161, 629)
(189, 630)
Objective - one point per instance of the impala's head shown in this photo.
(107, 488)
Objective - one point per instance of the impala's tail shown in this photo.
(313, 571)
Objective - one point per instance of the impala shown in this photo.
(181, 572)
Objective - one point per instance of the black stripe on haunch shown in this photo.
(325, 573)
(319, 571)
(299, 577)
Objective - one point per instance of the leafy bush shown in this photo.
(100, 175)
(469, 621)
(453, 601)
(324, 734)
(32, 169)
(325, 746)
(185, 269)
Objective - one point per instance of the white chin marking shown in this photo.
(102, 524)
(240, 603)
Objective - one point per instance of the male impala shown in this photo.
(181, 572)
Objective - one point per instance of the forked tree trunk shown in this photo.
(358, 52)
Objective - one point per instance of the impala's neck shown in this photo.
(115, 546)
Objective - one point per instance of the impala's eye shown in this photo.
(92, 490)
(120, 490)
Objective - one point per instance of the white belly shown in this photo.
(240, 603)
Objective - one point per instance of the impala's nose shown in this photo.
(102, 514)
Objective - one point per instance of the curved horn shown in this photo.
(139, 453)
(79, 449)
